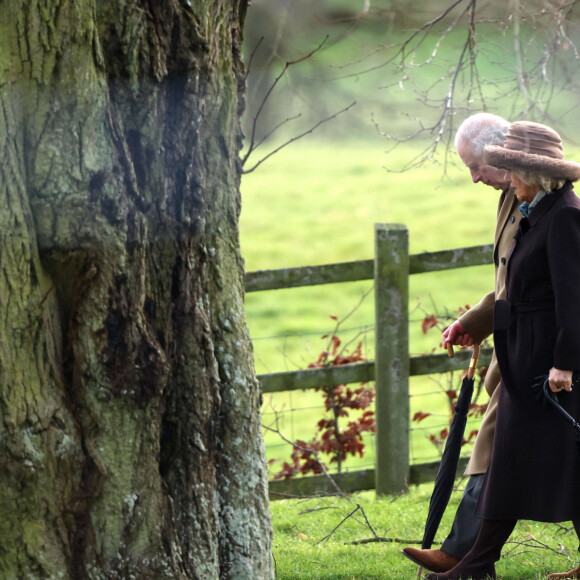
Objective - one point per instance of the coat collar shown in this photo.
(546, 204)
(543, 207)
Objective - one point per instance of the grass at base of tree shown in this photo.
(301, 526)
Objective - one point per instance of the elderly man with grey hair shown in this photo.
(473, 135)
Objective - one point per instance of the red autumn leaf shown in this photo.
(428, 322)
(419, 416)
(335, 344)
(332, 440)
(473, 434)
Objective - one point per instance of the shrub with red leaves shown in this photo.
(332, 439)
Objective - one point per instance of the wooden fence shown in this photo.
(392, 367)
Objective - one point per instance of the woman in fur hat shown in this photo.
(535, 467)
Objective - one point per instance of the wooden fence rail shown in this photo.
(392, 367)
(364, 269)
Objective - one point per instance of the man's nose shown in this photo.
(475, 176)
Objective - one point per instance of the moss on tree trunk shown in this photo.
(130, 441)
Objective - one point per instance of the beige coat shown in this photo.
(478, 322)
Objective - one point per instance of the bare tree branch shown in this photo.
(375, 539)
(252, 56)
(379, 540)
(293, 139)
(252, 146)
(328, 536)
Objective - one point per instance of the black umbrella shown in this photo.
(547, 397)
(450, 458)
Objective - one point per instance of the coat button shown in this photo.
(503, 261)
(512, 219)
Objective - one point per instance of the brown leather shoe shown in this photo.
(570, 574)
(434, 560)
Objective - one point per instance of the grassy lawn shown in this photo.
(315, 538)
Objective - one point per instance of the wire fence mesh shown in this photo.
(293, 415)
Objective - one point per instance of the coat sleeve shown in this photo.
(478, 320)
(563, 247)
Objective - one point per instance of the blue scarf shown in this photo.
(526, 208)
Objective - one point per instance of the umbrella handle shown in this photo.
(474, 358)
(553, 400)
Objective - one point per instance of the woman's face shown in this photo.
(523, 191)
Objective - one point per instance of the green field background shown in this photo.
(316, 203)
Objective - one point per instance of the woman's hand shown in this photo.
(456, 334)
(560, 380)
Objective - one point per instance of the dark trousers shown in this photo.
(466, 524)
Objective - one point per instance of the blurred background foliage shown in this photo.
(406, 64)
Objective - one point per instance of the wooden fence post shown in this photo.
(392, 357)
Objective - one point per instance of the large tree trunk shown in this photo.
(130, 439)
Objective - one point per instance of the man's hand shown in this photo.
(456, 334)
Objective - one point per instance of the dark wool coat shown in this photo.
(535, 468)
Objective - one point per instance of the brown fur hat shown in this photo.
(533, 148)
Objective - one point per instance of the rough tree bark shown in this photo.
(130, 439)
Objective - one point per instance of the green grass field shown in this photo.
(317, 203)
